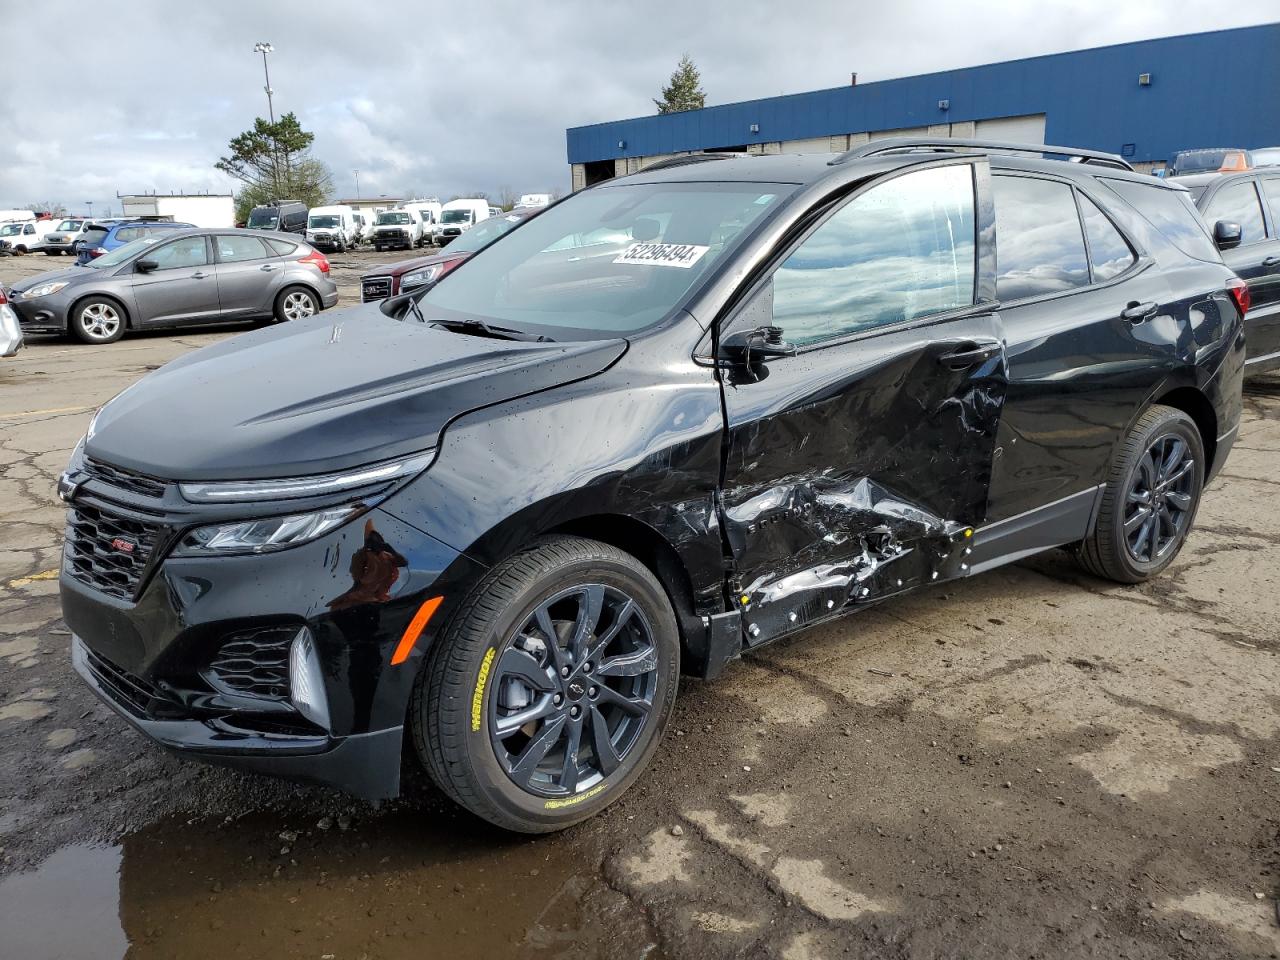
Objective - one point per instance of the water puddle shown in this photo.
(403, 885)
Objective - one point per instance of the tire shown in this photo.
(97, 320)
(493, 640)
(1148, 465)
(52, 253)
(296, 303)
(376, 248)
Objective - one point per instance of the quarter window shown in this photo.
(1171, 212)
(187, 252)
(902, 250)
(233, 249)
(1039, 243)
(1238, 203)
(1271, 187)
(1109, 252)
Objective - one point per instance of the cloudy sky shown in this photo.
(450, 98)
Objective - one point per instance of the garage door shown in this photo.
(1028, 129)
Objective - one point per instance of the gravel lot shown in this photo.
(1031, 763)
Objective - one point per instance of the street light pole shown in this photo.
(357, 173)
(264, 48)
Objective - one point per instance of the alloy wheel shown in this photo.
(573, 688)
(298, 305)
(1160, 499)
(100, 321)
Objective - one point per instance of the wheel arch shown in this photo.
(101, 295)
(1196, 405)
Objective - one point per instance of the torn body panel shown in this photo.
(857, 470)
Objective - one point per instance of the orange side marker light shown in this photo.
(414, 630)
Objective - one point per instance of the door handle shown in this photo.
(198, 275)
(1271, 262)
(266, 268)
(969, 355)
(1137, 312)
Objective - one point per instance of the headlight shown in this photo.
(44, 290)
(264, 535)
(288, 488)
(419, 277)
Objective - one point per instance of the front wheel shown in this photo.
(547, 694)
(97, 320)
(296, 304)
(1150, 500)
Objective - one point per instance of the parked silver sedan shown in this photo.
(180, 278)
(10, 332)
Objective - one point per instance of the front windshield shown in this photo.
(478, 236)
(120, 254)
(456, 216)
(391, 218)
(323, 221)
(70, 224)
(606, 262)
(266, 220)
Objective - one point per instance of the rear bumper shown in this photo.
(10, 333)
(365, 765)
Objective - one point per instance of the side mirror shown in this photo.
(745, 347)
(1226, 234)
(145, 266)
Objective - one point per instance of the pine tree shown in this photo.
(684, 92)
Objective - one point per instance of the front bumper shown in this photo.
(156, 648)
(43, 314)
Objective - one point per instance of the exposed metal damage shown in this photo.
(883, 544)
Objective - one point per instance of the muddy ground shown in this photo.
(1031, 763)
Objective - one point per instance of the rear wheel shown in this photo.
(97, 320)
(296, 303)
(52, 253)
(1150, 500)
(546, 695)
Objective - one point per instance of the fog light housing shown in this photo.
(306, 685)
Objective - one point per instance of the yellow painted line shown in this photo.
(42, 413)
(34, 578)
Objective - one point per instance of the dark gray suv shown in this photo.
(185, 277)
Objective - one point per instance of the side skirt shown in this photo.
(1043, 528)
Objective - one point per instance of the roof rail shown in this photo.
(876, 148)
(700, 157)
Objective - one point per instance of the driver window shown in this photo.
(187, 252)
(902, 250)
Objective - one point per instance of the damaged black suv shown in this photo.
(676, 416)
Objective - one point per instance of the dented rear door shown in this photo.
(857, 467)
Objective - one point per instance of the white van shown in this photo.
(397, 228)
(460, 215)
(26, 236)
(331, 228)
(429, 210)
(364, 226)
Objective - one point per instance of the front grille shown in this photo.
(136, 695)
(375, 288)
(255, 662)
(108, 552)
(124, 479)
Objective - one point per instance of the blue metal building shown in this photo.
(1144, 100)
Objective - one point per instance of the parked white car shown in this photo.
(331, 228)
(429, 210)
(397, 229)
(460, 215)
(25, 237)
(62, 239)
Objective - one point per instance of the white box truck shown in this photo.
(199, 209)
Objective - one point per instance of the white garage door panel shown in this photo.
(1028, 129)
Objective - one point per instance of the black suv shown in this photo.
(676, 416)
(1243, 211)
(289, 216)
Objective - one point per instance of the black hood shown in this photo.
(323, 394)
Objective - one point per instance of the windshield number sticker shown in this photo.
(663, 254)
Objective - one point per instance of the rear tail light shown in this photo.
(97, 252)
(318, 260)
(1239, 291)
(3, 298)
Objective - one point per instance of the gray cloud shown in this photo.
(449, 98)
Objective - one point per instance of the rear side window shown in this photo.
(1238, 203)
(902, 250)
(1271, 187)
(1039, 243)
(126, 234)
(280, 248)
(93, 236)
(1109, 252)
(232, 249)
(1170, 212)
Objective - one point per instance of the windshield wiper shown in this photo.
(479, 328)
